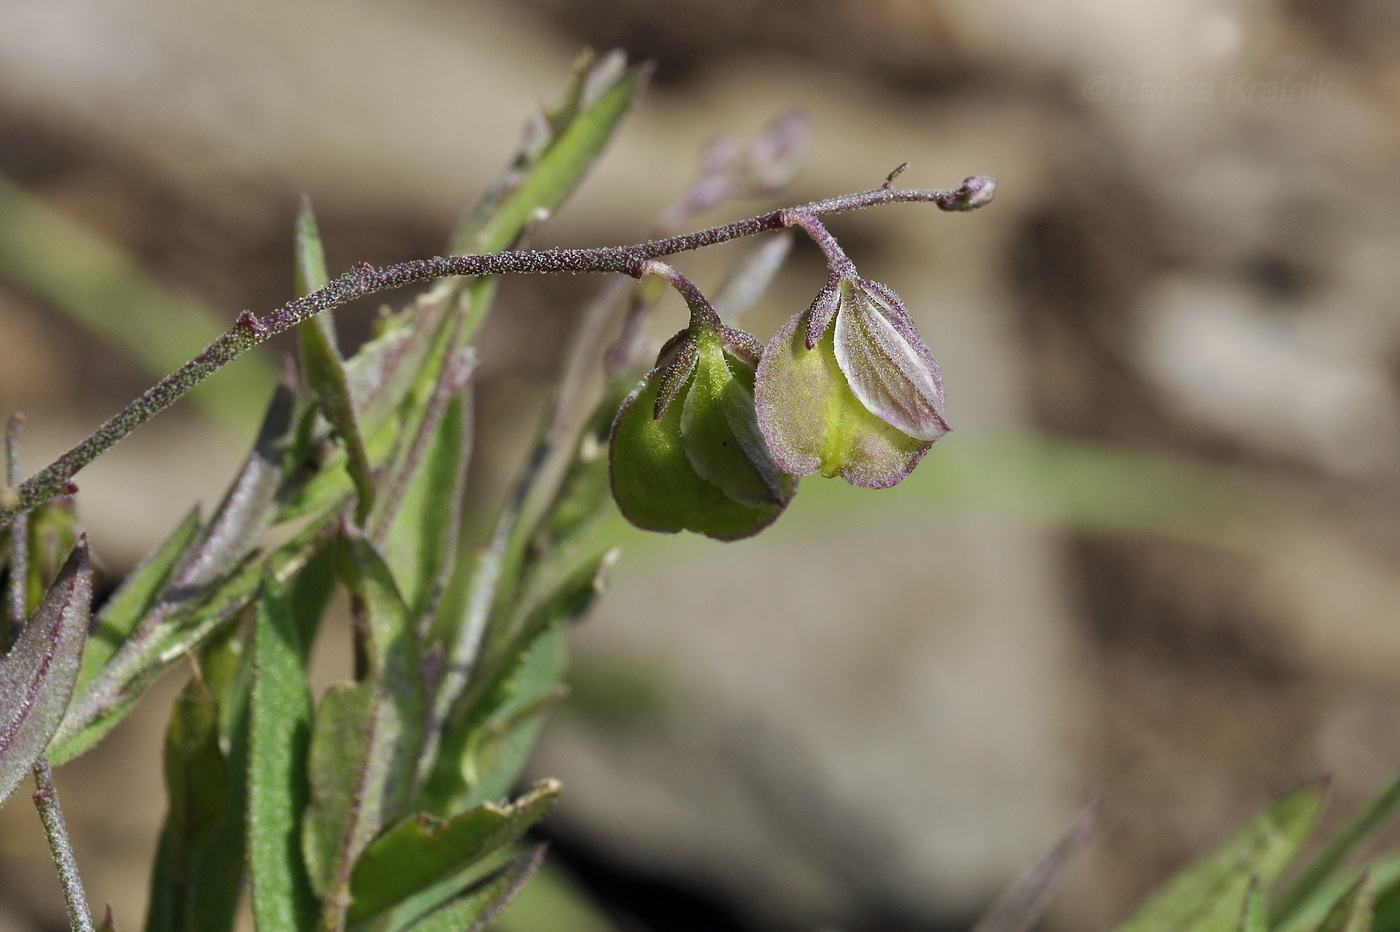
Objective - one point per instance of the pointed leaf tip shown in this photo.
(37, 676)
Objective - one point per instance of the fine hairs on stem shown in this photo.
(45, 795)
(249, 330)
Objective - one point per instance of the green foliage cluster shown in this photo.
(385, 804)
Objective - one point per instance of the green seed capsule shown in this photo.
(686, 452)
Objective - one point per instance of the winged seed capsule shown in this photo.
(848, 388)
(686, 451)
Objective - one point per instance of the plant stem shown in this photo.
(46, 799)
(15, 614)
(365, 279)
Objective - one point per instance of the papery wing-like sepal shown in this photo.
(888, 365)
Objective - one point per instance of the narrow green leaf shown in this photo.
(311, 272)
(1255, 915)
(1207, 896)
(383, 372)
(37, 675)
(164, 634)
(321, 362)
(1379, 814)
(396, 671)
(1385, 881)
(596, 103)
(332, 833)
(197, 784)
(278, 745)
(477, 906)
(420, 540)
(423, 851)
(584, 495)
(136, 596)
(1353, 911)
(184, 630)
(476, 761)
(364, 749)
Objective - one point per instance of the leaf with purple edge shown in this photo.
(343, 777)
(478, 761)
(37, 675)
(1254, 917)
(133, 598)
(429, 478)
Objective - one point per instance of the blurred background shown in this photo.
(1156, 563)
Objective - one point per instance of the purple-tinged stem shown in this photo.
(249, 330)
(702, 312)
(836, 259)
(45, 796)
(46, 800)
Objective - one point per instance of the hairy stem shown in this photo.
(46, 799)
(365, 279)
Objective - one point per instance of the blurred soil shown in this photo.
(872, 726)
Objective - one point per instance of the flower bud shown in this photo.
(686, 451)
(848, 388)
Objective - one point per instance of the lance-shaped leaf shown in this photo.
(424, 851)
(1208, 895)
(182, 616)
(37, 675)
(552, 163)
(475, 908)
(1377, 816)
(134, 597)
(491, 724)
(199, 861)
(182, 631)
(321, 361)
(340, 820)
(395, 667)
(420, 519)
(1385, 881)
(368, 735)
(279, 735)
